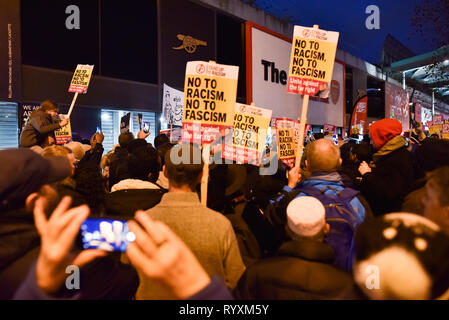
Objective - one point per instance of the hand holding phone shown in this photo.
(58, 234)
(146, 127)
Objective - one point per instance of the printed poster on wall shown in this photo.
(25, 110)
(397, 105)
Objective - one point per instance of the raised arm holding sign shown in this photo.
(311, 66)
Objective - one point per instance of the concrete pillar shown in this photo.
(403, 81)
(433, 103)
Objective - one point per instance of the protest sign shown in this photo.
(64, 134)
(311, 67)
(139, 120)
(329, 128)
(287, 140)
(438, 120)
(172, 106)
(249, 134)
(209, 100)
(437, 125)
(312, 60)
(80, 82)
(297, 133)
(175, 134)
(125, 123)
(308, 128)
(446, 130)
(81, 79)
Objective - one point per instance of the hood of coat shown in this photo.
(133, 184)
(393, 145)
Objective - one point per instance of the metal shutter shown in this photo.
(9, 129)
(110, 125)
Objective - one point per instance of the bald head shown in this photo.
(323, 156)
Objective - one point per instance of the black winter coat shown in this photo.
(125, 203)
(118, 170)
(389, 182)
(39, 126)
(302, 271)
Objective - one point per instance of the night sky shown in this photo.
(348, 17)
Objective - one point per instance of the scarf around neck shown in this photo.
(392, 145)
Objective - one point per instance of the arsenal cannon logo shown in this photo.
(189, 43)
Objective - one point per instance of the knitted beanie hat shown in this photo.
(383, 131)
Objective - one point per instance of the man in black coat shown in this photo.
(302, 269)
(40, 125)
(140, 191)
(390, 176)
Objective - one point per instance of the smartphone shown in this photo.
(139, 120)
(146, 127)
(98, 130)
(105, 234)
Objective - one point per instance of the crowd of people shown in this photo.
(366, 220)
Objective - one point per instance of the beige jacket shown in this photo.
(206, 232)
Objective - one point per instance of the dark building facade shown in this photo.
(135, 46)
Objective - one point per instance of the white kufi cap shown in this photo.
(306, 216)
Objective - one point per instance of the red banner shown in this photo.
(359, 121)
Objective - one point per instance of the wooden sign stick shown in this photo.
(72, 105)
(205, 178)
(302, 128)
(302, 125)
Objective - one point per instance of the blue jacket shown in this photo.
(322, 180)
